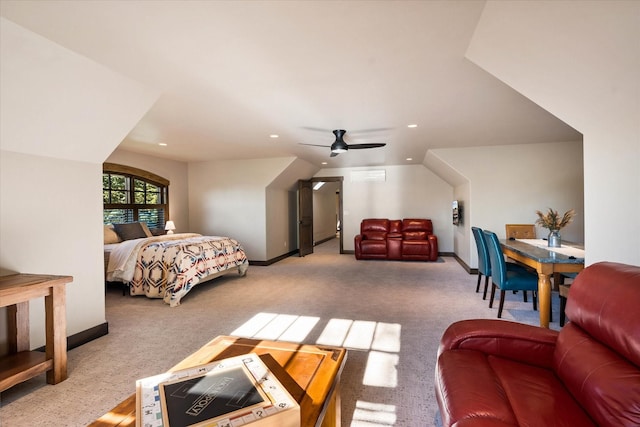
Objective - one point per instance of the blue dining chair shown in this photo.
(484, 263)
(507, 280)
(484, 268)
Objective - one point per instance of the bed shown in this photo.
(167, 266)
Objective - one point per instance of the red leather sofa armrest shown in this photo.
(510, 340)
(356, 245)
(433, 251)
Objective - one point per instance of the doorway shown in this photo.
(322, 221)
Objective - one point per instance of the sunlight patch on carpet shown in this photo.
(335, 332)
(381, 370)
(387, 337)
(276, 327)
(351, 334)
(368, 414)
(299, 330)
(273, 326)
(360, 334)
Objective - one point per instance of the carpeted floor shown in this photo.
(392, 385)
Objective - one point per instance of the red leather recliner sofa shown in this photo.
(406, 239)
(496, 373)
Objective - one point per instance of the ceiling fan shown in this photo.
(339, 146)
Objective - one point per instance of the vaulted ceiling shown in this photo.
(233, 73)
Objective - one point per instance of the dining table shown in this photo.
(547, 262)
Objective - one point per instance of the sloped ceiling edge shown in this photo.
(56, 103)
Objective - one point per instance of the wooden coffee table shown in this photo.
(310, 373)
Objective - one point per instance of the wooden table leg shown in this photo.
(544, 298)
(56, 325)
(18, 325)
(333, 415)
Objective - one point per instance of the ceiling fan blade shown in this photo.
(316, 129)
(362, 146)
(371, 130)
(339, 146)
(314, 145)
(358, 131)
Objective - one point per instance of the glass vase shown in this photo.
(554, 240)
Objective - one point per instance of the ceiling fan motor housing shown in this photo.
(339, 146)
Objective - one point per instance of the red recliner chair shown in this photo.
(371, 243)
(499, 373)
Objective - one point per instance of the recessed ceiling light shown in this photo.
(324, 163)
(273, 135)
(162, 144)
(409, 159)
(412, 126)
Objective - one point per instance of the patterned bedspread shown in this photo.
(169, 267)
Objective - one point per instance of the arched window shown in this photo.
(130, 194)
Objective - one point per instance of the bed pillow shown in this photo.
(129, 231)
(110, 235)
(146, 230)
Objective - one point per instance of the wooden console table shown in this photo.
(311, 374)
(22, 364)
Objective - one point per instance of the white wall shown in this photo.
(507, 184)
(325, 211)
(50, 223)
(580, 60)
(463, 243)
(409, 192)
(61, 114)
(282, 205)
(177, 174)
(229, 199)
(279, 238)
